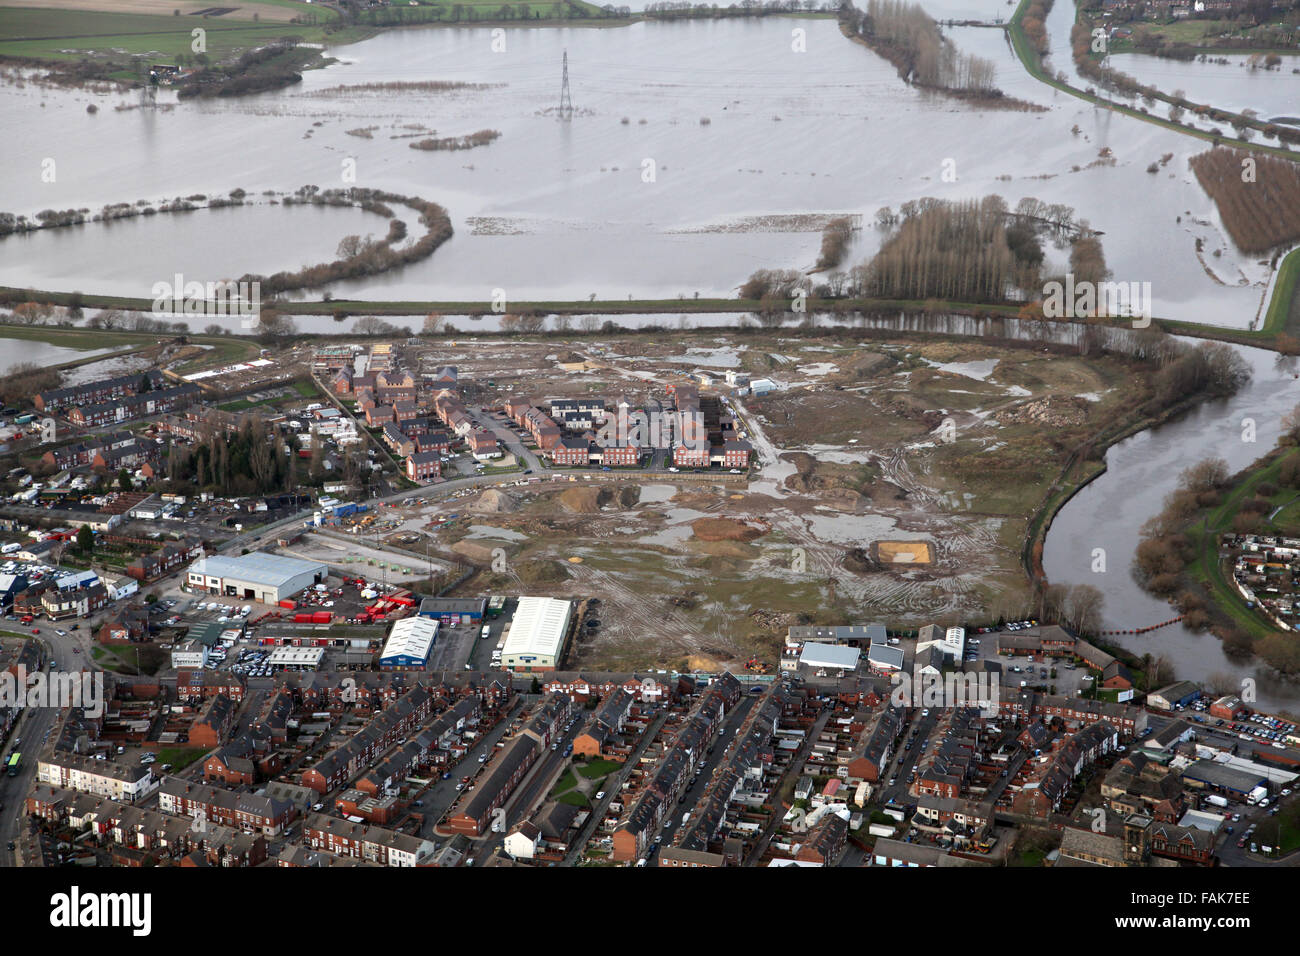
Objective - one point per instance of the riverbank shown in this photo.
(991, 98)
(1041, 523)
(219, 349)
(1283, 315)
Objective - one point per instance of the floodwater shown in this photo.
(17, 351)
(127, 256)
(1231, 86)
(663, 205)
(1141, 471)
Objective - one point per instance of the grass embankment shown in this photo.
(84, 339)
(221, 349)
(1031, 61)
(1283, 313)
(1263, 338)
(1208, 570)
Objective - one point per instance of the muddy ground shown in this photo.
(953, 444)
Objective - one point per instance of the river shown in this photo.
(1140, 471)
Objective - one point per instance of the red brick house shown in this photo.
(620, 455)
(571, 451)
(825, 841)
(212, 725)
(379, 415)
(684, 456)
(735, 454)
(424, 466)
(483, 444)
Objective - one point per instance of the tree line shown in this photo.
(907, 36)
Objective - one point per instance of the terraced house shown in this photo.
(361, 842)
(126, 783)
(133, 406)
(426, 748)
(510, 765)
(103, 390)
(605, 724)
(672, 773)
(242, 811)
(364, 747)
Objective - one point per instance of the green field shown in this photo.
(72, 34)
(597, 769)
(1202, 34)
(67, 35)
(180, 757)
(224, 351)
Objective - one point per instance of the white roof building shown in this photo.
(537, 634)
(269, 578)
(830, 656)
(951, 641)
(190, 654)
(296, 657)
(409, 643)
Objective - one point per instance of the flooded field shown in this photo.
(1231, 86)
(126, 257)
(699, 147)
(18, 351)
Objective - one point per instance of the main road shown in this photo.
(34, 726)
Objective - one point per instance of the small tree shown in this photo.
(85, 540)
(124, 480)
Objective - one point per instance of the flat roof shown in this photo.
(840, 656)
(296, 655)
(1219, 774)
(453, 605)
(271, 570)
(411, 637)
(538, 627)
(883, 655)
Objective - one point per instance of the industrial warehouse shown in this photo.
(537, 634)
(268, 578)
(409, 643)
